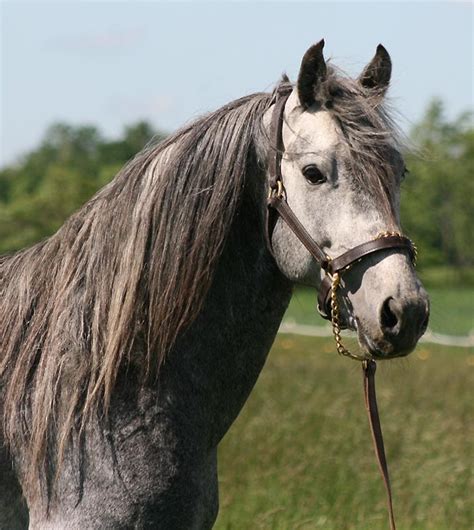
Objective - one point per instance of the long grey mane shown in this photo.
(120, 280)
(128, 273)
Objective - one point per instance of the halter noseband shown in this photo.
(334, 268)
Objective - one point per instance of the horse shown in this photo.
(132, 337)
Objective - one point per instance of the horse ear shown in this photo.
(312, 73)
(376, 74)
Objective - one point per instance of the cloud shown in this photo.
(105, 41)
(130, 108)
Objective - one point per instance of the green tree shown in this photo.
(438, 194)
(39, 192)
(71, 163)
(134, 139)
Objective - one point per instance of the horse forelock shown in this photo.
(117, 284)
(374, 141)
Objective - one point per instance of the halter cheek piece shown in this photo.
(328, 305)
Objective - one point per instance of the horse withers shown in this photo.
(132, 337)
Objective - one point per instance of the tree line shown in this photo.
(39, 191)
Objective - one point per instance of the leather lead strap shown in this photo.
(369, 368)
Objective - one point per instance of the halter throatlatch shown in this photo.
(334, 268)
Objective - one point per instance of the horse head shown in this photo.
(341, 168)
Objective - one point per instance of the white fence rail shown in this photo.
(429, 336)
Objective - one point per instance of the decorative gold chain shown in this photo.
(336, 327)
(389, 234)
(335, 312)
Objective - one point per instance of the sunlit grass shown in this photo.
(300, 454)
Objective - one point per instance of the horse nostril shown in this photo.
(388, 315)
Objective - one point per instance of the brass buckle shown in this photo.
(278, 192)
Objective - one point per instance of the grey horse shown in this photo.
(131, 338)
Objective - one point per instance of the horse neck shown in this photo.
(226, 347)
(248, 283)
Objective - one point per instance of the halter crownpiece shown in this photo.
(334, 268)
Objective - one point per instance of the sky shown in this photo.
(110, 64)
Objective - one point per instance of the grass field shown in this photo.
(300, 454)
(452, 309)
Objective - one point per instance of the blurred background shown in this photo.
(85, 85)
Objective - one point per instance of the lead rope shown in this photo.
(276, 194)
(370, 397)
(368, 368)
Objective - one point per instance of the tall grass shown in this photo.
(300, 454)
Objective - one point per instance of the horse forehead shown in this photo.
(315, 130)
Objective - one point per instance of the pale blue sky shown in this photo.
(112, 63)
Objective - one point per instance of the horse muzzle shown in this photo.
(401, 323)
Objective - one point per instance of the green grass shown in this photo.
(300, 455)
(447, 276)
(452, 309)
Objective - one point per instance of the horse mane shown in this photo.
(119, 281)
(128, 273)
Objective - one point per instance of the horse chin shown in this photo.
(379, 348)
(373, 346)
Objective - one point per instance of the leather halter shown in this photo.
(277, 203)
(333, 268)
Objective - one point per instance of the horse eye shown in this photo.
(312, 174)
